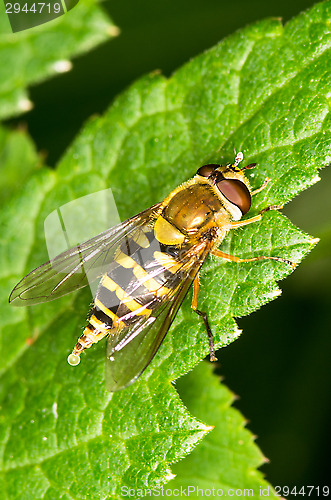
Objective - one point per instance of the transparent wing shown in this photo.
(129, 353)
(130, 350)
(77, 267)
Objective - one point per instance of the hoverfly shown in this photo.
(146, 266)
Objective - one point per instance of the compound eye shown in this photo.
(207, 170)
(236, 192)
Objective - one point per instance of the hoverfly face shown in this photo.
(228, 184)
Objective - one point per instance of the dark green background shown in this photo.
(279, 367)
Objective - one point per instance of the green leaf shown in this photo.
(18, 160)
(31, 56)
(227, 459)
(264, 91)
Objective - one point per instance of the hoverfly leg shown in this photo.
(237, 224)
(271, 207)
(241, 223)
(266, 182)
(204, 316)
(233, 258)
(256, 218)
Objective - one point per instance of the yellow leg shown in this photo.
(232, 258)
(241, 223)
(266, 182)
(196, 286)
(256, 218)
(204, 316)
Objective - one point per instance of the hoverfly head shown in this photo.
(229, 181)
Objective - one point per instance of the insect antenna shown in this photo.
(248, 167)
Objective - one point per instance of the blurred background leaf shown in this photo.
(34, 55)
(226, 453)
(18, 160)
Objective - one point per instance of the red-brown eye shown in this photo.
(236, 192)
(207, 170)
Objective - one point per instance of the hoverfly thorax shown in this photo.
(192, 209)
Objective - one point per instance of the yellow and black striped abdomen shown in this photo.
(142, 275)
